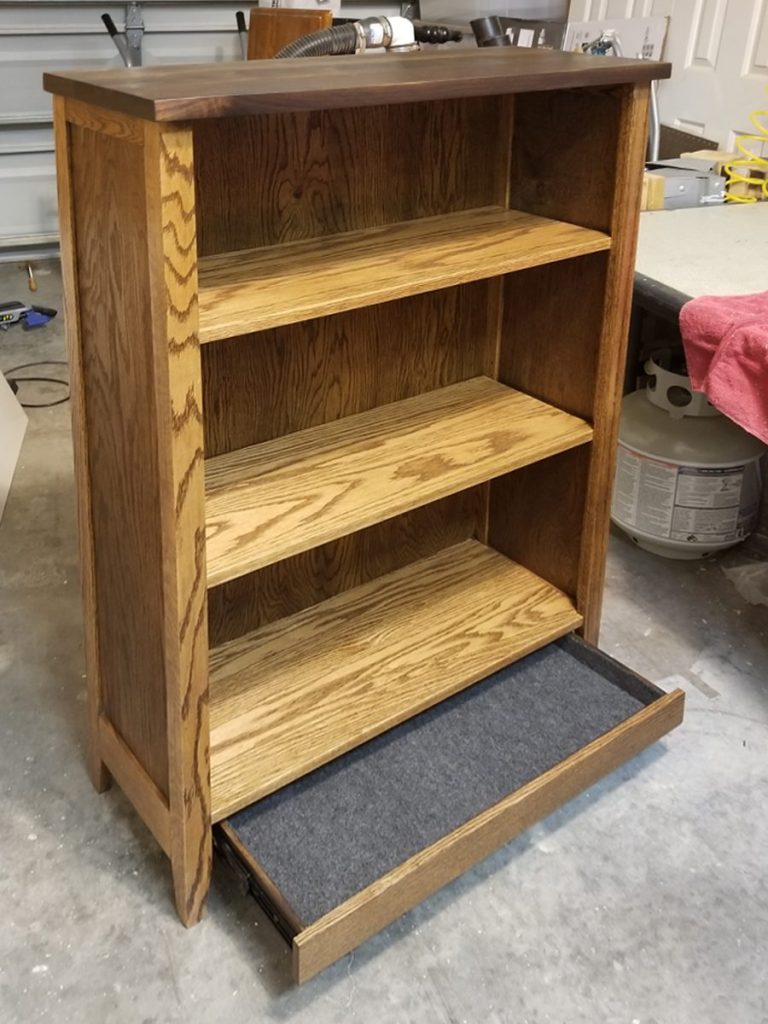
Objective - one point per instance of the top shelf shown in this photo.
(256, 289)
(193, 91)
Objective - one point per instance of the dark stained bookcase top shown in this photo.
(194, 91)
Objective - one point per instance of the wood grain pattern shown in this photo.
(115, 334)
(367, 912)
(551, 349)
(277, 382)
(272, 28)
(563, 155)
(170, 227)
(96, 768)
(576, 363)
(194, 91)
(275, 179)
(119, 126)
(149, 802)
(258, 289)
(284, 700)
(287, 587)
(536, 516)
(273, 500)
(625, 215)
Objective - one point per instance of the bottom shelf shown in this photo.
(339, 854)
(298, 692)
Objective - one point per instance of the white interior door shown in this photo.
(719, 55)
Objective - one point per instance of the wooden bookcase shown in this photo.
(347, 340)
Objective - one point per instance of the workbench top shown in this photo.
(720, 250)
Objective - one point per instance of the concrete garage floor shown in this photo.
(644, 901)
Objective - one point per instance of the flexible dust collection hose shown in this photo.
(327, 42)
(369, 33)
(741, 170)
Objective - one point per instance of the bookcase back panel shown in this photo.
(265, 385)
(110, 214)
(286, 177)
(286, 587)
(564, 155)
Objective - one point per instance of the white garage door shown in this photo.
(44, 35)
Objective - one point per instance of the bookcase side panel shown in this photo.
(577, 156)
(97, 769)
(551, 329)
(536, 516)
(109, 221)
(564, 155)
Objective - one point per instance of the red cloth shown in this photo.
(726, 349)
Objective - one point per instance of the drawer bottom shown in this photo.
(342, 852)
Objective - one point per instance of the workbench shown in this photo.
(682, 254)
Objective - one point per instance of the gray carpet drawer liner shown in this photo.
(333, 832)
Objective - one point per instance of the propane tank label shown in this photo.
(684, 503)
(644, 492)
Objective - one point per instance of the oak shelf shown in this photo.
(255, 289)
(273, 500)
(300, 691)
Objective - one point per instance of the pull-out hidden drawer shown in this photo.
(342, 852)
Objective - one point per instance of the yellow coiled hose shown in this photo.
(742, 169)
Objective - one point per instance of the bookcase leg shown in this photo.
(625, 220)
(171, 237)
(97, 770)
(191, 867)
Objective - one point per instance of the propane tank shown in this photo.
(688, 480)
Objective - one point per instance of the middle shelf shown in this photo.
(300, 691)
(256, 289)
(273, 500)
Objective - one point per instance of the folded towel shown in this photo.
(726, 349)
